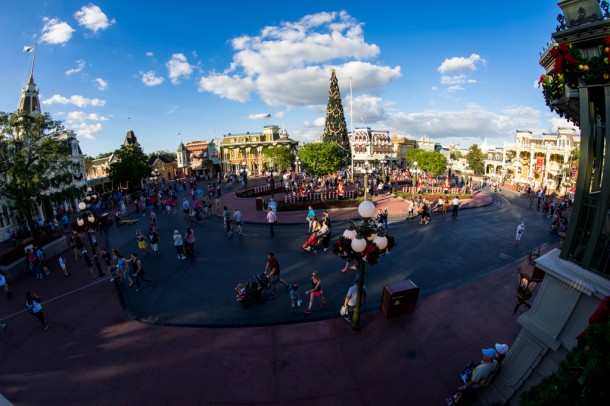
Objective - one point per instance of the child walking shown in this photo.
(62, 265)
(294, 295)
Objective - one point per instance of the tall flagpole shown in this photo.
(351, 117)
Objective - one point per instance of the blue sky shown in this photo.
(457, 72)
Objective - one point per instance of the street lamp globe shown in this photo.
(350, 234)
(80, 222)
(380, 241)
(91, 218)
(366, 209)
(358, 244)
(82, 205)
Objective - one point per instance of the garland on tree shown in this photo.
(570, 67)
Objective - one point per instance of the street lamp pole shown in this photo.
(90, 224)
(362, 235)
(416, 178)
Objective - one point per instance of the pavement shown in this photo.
(186, 342)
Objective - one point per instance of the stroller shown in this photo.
(195, 216)
(312, 242)
(252, 291)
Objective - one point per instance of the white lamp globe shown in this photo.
(91, 218)
(349, 234)
(380, 242)
(94, 197)
(358, 244)
(89, 189)
(366, 209)
(82, 205)
(80, 222)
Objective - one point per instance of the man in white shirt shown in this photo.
(456, 205)
(271, 219)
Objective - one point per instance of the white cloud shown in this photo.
(150, 78)
(101, 83)
(93, 18)
(229, 87)
(258, 116)
(454, 88)
(55, 32)
(77, 100)
(289, 64)
(149, 53)
(80, 65)
(461, 64)
(85, 130)
(82, 116)
(178, 67)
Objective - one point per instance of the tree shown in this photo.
(280, 155)
(164, 152)
(429, 161)
(335, 129)
(321, 158)
(35, 165)
(474, 157)
(456, 154)
(131, 165)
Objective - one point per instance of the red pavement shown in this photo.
(94, 354)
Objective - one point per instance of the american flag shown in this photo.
(268, 116)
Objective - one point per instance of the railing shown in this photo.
(318, 196)
(436, 190)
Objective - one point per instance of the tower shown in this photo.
(30, 100)
(335, 129)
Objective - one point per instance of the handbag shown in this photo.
(343, 311)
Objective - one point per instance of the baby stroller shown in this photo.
(195, 216)
(252, 291)
(312, 242)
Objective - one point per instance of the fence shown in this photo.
(318, 196)
(431, 190)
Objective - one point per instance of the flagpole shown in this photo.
(34, 58)
(351, 118)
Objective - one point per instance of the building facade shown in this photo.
(541, 161)
(244, 152)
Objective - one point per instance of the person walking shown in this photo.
(154, 239)
(271, 220)
(89, 263)
(63, 266)
(4, 285)
(272, 271)
(189, 242)
(139, 272)
(179, 244)
(34, 305)
(228, 219)
(142, 244)
(311, 215)
(238, 219)
(315, 291)
(350, 299)
(121, 263)
(456, 206)
(519, 233)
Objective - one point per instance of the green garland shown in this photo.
(571, 66)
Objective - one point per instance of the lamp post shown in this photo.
(154, 175)
(529, 278)
(297, 164)
(363, 235)
(272, 183)
(91, 224)
(416, 178)
(366, 169)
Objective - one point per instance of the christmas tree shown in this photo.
(335, 129)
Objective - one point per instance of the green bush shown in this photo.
(582, 377)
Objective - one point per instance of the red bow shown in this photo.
(561, 54)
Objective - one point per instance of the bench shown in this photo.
(128, 222)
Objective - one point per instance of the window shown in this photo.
(5, 219)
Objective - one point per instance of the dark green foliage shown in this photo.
(474, 157)
(131, 165)
(321, 158)
(429, 161)
(582, 377)
(280, 155)
(35, 165)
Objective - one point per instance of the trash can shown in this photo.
(259, 204)
(399, 298)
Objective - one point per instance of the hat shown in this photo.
(489, 352)
(501, 349)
